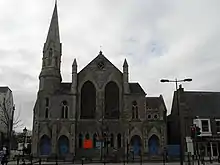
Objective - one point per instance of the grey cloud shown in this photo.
(184, 36)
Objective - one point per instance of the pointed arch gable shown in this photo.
(153, 131)
(45, 131)
(64, 132)
(88, 100)
(134, 132)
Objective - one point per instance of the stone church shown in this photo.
(100, 104)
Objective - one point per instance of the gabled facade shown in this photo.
(199, 108)
(99, 104)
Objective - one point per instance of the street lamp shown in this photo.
(24, 133)
(178, 112)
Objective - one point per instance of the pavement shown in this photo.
(130, 163)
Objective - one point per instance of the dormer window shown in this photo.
(134, 110)
(65, 110)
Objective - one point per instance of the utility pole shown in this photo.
(179, 115)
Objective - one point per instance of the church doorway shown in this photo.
(136, 144)
(45, 145)
(154, 145)
(63, 145)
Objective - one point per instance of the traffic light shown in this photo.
(193, 132)
(198, 131)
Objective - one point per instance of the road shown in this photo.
(148, 163)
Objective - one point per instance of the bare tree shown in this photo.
(8, 119)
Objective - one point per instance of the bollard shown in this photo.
(31, 159)
(164, 160)
(56, 160)
(73, 160)
(18, 159)
(141, 159)
(188, 158)
(83, 160)
(104, 160)
(210, 158)
(40, 161)
(133, 156)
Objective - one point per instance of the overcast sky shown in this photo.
(160, 39)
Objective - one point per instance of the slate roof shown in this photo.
(4, 89)
(135, 88)
(153, 102)
(203, 103)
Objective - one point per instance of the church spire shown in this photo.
(52, 53)
(53, 33)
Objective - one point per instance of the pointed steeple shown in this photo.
(125, 63)
(53, 33)
(74, 66)
(52, 53)
(74, 62)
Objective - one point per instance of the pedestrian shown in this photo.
(4, 150)
(3, 159)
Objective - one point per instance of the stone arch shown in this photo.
(63, 145)
(136, 144)
(45, 145)
(45, 131)
(153, 131)
(112, 100)
(88, 100)
(154, 145)
(119, 141)
(135, 131)
(65, 132)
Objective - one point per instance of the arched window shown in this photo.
(80, 140)
(119, 140)
(111, 101)
(112, 140)
(45, 145)
(46, 101)
(94, 140)
(50, 56)
(63, 145)
(46, 113)
(65, 109)
(88, 101)
(134, 110)
(56, 61)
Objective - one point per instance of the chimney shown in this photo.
(181, 88)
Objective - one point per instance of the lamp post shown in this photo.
(179, 113)
(24, 133)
